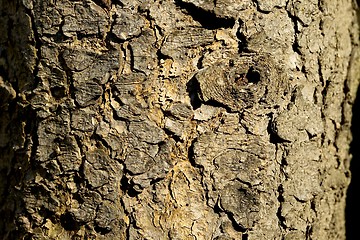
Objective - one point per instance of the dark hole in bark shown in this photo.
(68, 222)
(77, 197)
(58, 91)
(193, 88)
(253, 76)
(207, 19)
(352, 198)
(102, 230)
(231, 63)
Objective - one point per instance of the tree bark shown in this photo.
(182, 119)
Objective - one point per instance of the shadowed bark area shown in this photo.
(352, 196)
(179, 119)
(352, 199)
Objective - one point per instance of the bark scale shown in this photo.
(182, 119)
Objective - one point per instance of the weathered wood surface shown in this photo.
(185, 119)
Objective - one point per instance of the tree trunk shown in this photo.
(182, 119)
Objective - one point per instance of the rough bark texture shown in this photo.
(184, 119)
